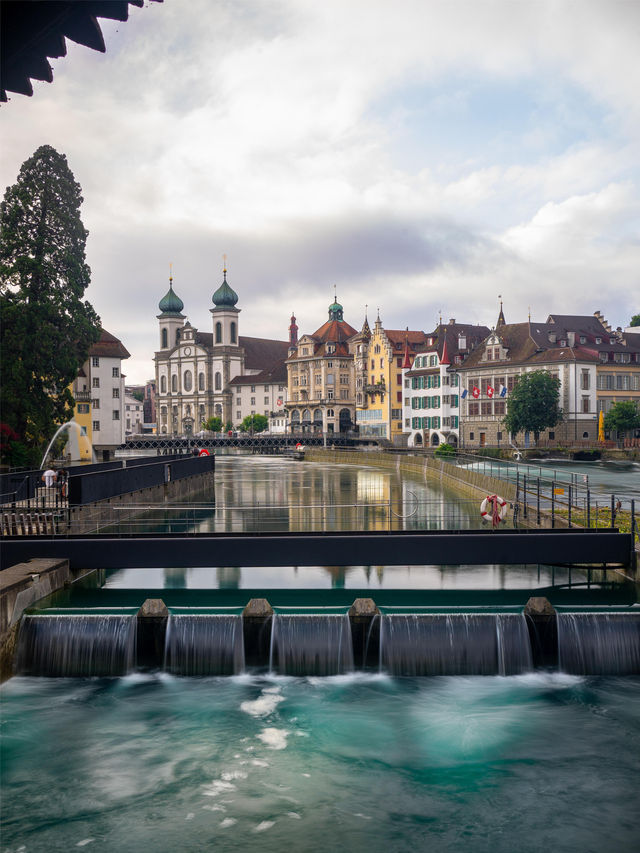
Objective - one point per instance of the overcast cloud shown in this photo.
(422, 156)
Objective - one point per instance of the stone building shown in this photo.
(321, 382)
(490, 373)
(431, 385)
(380, 359)
(195, 370)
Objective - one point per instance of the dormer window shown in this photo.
(612, 341)
(563, 342)
(462, 342)
(583, 339)
(430, 342)
(598, 340)
(552, 337)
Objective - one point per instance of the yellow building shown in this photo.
(379, 379)
(78, 448)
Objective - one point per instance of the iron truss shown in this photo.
(255, 442)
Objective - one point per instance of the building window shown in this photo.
(116, 415)
(95, 382)
(474, 409)
(266, 401)
(253, 401)
(584, 380)
(115, 393)
(218, 333)
(218, 381)
(188, 380)
(163, 384)
(253, 389)
(83, 408)
(177, 336)
(96, 426)
(95, 361)
(174, 383)
(164, 339)
(95, 403)
(115, 372)
(201, 382)
(585, 404)
(471, 436)
(234, 334)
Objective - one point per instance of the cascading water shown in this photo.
(599, 643)
(75, 451)
(76, 646)
(454, 644)
(204, 645)
(311, 645)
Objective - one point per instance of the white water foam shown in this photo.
(217, 787)
(228, 821)
(274, 738)
(266, 824)
(263, 705)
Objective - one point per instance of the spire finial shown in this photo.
(335, 294)
(170, 273)
(224, 265)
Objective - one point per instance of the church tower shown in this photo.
(171, 318)
(225, 315)
(227, 355)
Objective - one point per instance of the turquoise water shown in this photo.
(528, 763)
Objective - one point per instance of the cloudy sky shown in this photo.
(422, 156)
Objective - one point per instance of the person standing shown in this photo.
(49, 478)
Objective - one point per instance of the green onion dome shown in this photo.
(335, 310)
(225, 296)
(171, 302)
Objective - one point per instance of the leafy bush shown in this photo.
(445, 450)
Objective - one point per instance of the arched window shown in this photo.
(163, 384)
(218, 333)
(218, 410)
(177, 336)
(234, 336)
(188, 380)
(187, 411)
(174, 383)
(218, 382)
(201, 382)
(165, 339)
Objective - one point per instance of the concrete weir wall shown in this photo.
(472, 484)
(20, 587)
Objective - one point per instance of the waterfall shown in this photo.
(204, 645)
(311, 645)
(599, 643)
(76, 645)
(454, 644)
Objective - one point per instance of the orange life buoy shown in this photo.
(203, 452)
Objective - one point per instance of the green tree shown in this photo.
(622, 416)
(254, 423)
(635, 320)
(213, 424)
(534, 404)
(46, 328)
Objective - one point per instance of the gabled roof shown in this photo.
(108, 346)
(277, 373)
(334, 331)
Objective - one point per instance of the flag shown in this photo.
(490, 391)
(475, 393)
(464, 393)
(502, 391)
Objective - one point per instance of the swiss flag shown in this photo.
(490, 391)
(475, 393)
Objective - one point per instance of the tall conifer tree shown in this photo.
(46, 327)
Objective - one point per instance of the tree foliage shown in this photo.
(534, 404)
(635, 320)
(622, 416)
(213, 424)
(46, 328)
(254, 423)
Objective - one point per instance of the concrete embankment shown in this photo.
(471, 484)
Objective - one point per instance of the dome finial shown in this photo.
(225, 296)
(171, 302)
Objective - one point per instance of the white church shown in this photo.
(219, 373)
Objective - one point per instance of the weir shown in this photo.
(321, 644)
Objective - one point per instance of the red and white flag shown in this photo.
(475, 392)
(490, 391)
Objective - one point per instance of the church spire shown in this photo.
(293, 331)
(501, 320)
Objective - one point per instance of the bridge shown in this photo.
(264, 443)
(571, 546)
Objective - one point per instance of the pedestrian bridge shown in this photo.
(596, 548)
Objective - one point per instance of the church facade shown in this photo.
(197, 373)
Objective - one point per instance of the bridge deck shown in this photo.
(470, 547)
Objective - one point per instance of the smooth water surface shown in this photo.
(529, 763)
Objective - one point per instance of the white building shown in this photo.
(133, 415)
(195, 370)
(431, 402)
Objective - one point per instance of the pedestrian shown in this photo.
(62, 479)
(49, 478)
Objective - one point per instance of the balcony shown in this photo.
(82, 396)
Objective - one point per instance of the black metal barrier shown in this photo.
(86, 488)
(462, 547)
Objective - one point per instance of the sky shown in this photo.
(424, 158)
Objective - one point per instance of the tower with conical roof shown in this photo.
(171, 318)
(225, 314)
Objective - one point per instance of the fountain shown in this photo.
(85, 453)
